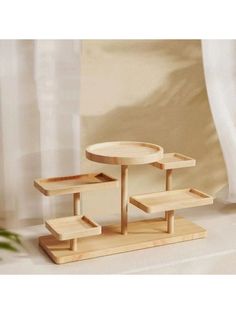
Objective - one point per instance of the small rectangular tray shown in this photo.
(171, 200)
(74, 184)
(174, 161)
(72, 227)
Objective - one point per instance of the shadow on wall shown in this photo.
(175, 116)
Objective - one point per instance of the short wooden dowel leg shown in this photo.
(169, 179)
(124, 199)
(76, 200)
(73, 244)
(171, 221)
(166, 216)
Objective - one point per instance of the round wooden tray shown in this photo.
(124, 153)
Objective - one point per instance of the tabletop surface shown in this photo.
(124, 152)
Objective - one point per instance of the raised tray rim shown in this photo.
(94, 230)
(181, 163)
(113, 182)
(204, 200)
(123, 160)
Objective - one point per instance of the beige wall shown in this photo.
(150, 91)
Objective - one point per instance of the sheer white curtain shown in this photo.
(219, 59)
(39, 122)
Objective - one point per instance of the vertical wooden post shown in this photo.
(76, 210)
(76, 199)
(169, 179)
(171, 221)
(124, 199)
(168, 186)
(169, 215)
(73, 244)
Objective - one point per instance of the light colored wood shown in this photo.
(167, 200)
(169, 179)
(171, 221)
(76, 203)
(76, 209)
(124, 199)
(74, 184)
(169, 218)
(72, 227)
(166, 215)
(174, 161)
(124, 153)
(142, 234)
(73, 245)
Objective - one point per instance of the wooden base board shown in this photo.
(141, 234)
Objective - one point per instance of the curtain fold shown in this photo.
(39, 120)
(219, 59)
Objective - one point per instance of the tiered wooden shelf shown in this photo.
(169, 162)
(177, 199)
(78, 237)
(124, 153)
(74, 227)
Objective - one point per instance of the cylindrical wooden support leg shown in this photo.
(169, 215)
(76, 211)
(73, 244)
(76, 198)
(171, 221)
(168, 185)
(166, 216)
(169, 179)
(124, 199)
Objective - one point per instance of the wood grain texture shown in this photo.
(76, 203)
(169, 200)
(174, 161)
(124, 153)
(142, 234)
(169, 218)
(74, 184)
(171, 221)
(124, 199)
(67, 228)
(169, 179)
(73, 244)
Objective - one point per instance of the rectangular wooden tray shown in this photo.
(72, 227)
(171, 200)
(74, 184)
(174, 161)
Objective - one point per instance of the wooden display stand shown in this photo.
(78, 237)
(77, 226)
